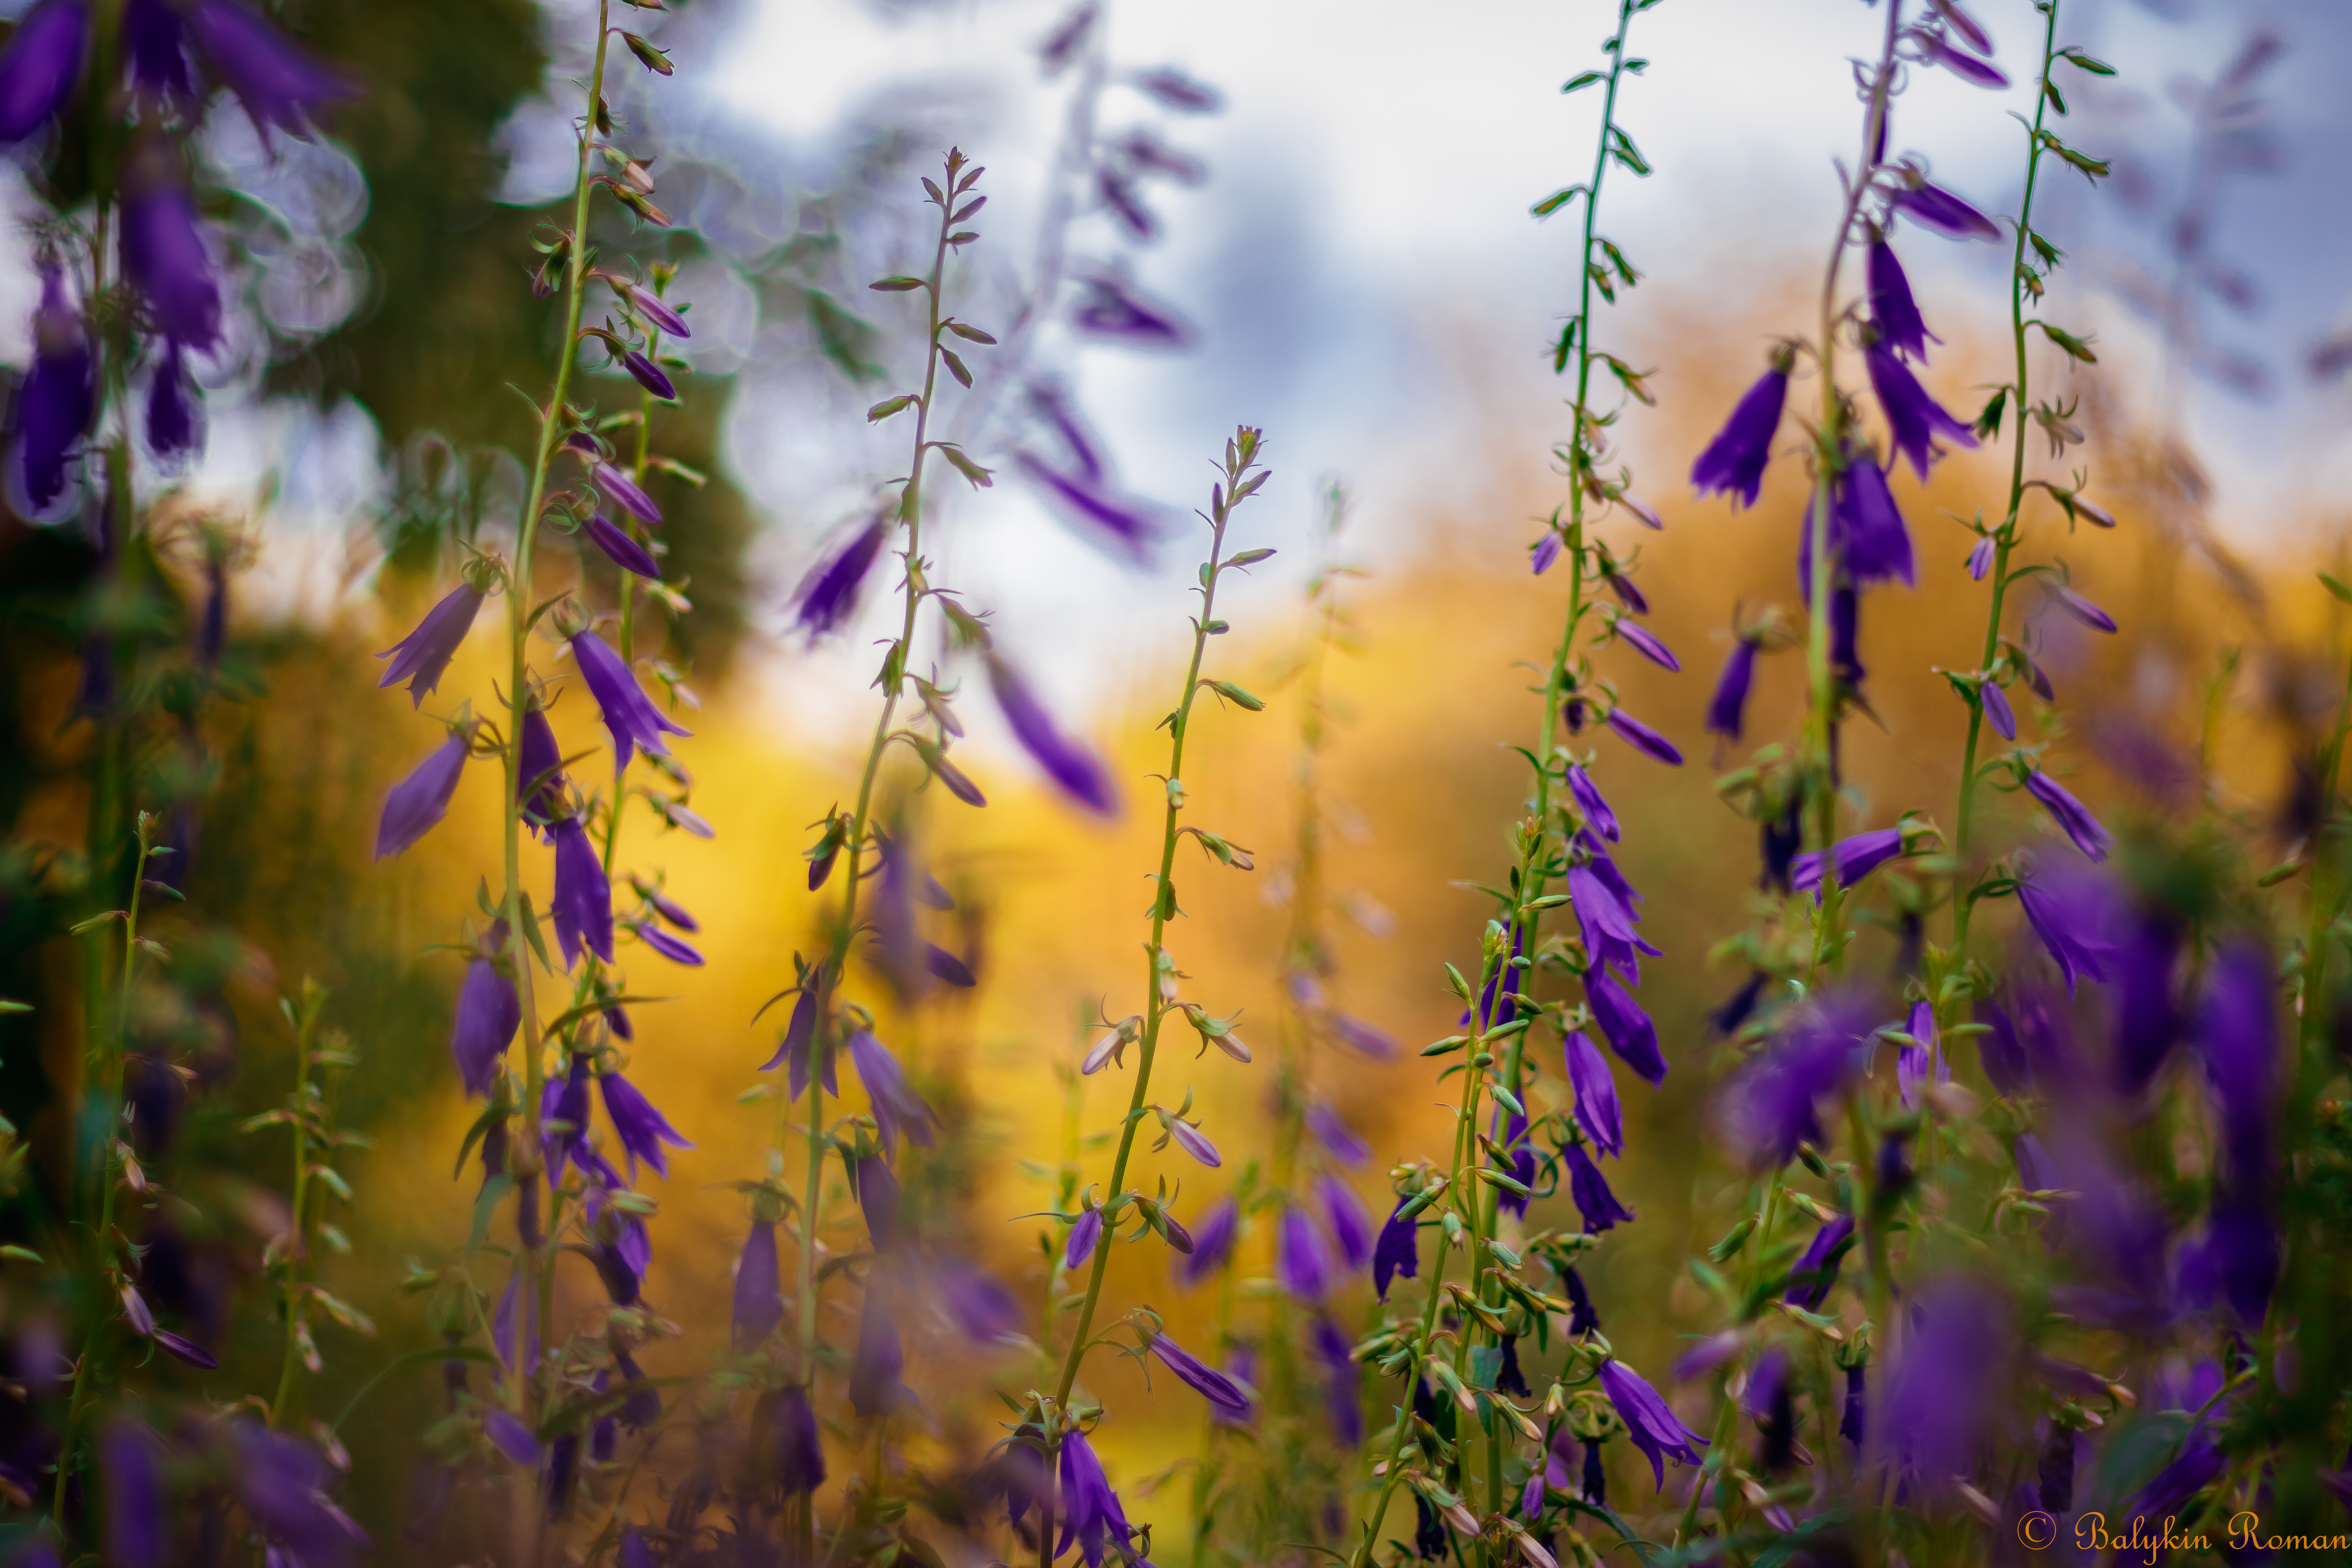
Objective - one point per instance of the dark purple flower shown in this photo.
(627, 712)
(1655, 1430)
(163, 249)
(651, 306)
(1594, 1201)
(2003, 1053)
(877, 1197)
(799, 1035)
(1301, 1262)
(421, 656)
(1981, 559)
(1598, 817)
(1857, 858)
(416, 802)
(1967, 67)
(1344, 1386)
(1546, 552)
(1083, 502)
(1942, 1392)
(1512, 1134)
(174, 408)
(2243, 1251)
(1174, 89)
(666, 907)
(2080, 608)
(1913, 1063)
(1075, 771)
(1647, 643)
(1914, 420)
(2238, 1037)
(2092, 838)
(619, 548)
(2147, 1018)
(1734, 461)
(59, 397)
(759, 1287)
(155, 40)
(895, 1105)
(1596, 1094)
(626, 494)
(1339, 1140)
(1112, 312)
(138, 1513)
(648, 374)
(1643, 739)
(1214, 1386)
(1119, 198)
(635, 1550)
(1085, 1232)
(1892, 309)
(1816, 1272)
(1090, 1510)
(1727, 709)
(1742, 1003)
(1628, 1029)
(563, 1114)
(1398, 1251)
(800, 1447)
(976, 1300)
(1939, 209)
(1213, 1243)
(1877, 545)
(280, 85)
(1845, 634)
(538, 782)
(642, 1129)
(43, 66)
(489, 1014)
(829, 592)
(1772, 1104)
(2168, 1494)
(1997, 711)
(281, 1480)
(2069, 914)
(1973, 35)
(668, 946)
(1351, 1221)
(582, 903)
(1850, 1423)
(511, 1438)
(874, 1388)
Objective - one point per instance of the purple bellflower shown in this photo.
(1193, 1141)
(2146, 1017)
(1339, 1140)
(1084, 1234)
(1726, 711)
(628, 712)
(874, 1388)
(1856, 857)
(1627, 1029)
(828, 595)
(582, 902)
(1647, 643)
(162, 249)
(896, 1106)
(1816, 1272)
(1934, 207)
(174, 408)
(1966, 67)
(976, 1301)
(1547, 550)
(1398, 1250)
(1913, 1063)
(624, 493)
(1596, 1094)
(1877, 545)
(281, 1480)
(416, 802)
(668, 946)
(2002, 1055)
(2237, 1036)
(1589, 1188)
(1213, 1243)
(1351, 1221)
(2081, 609)
(1222, 1395)
(539, 781)
(1892, 309)
(43, 66)
(1118, 314)
(1734, 461)
(1643, 739)
(2069, 914)
(280, 86)
(1090, 1510)
(619, 548)
(1940, 1393)
(489, 1014)
(1598, 817)
(759, 1287)
(421, 656)
(1655, 1430)
(800, 1449)
(1512, 1134)
(138, 1516)
(59, 397)
(511, 1438)
(1773, 1101)
(1363, 1038)
(1075, 771)
(642, 1129)
(1914, 418)
(1343, 1390)
(1301, 1262)
(1085, 504)
(1997, 711)
(1981, 559)
(2089, 835)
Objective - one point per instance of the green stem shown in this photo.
(296, 1235)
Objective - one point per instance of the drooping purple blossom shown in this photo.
(1727, 709)
(174, 408)
(163, 254)
(1114, 312)
(800, 1447)
(897, 1107)
(1088, 505)
(1655, 1430)
(977, 1302)
(1301, 1262)
(1075, 771)
(1331, 1130)
(582, 902)
(629, 713)
(59, 396)
(643, 1130)
(1213, 1243)
(1643, 739)
(43, 66)
(1856, 859)
(1941, 1392)
(2089, 835)
(875, 1385)
(280, 86)
(1772, 1103)
(539, 770)
(649, 375)
(2080, 608)
(1913, 1062)
(2237, 1038)
(1997, 711)
(1598, 817)
(1224, 1395)
(1547, 550)
(1914, 418)
(2071, 915)
(1599, 1205)
(668, 946)
(421, 656)
(416, 802)
(1351, 1221)
(1734, 461)
(489, 1014)
(1647, 643)
(759, 1287)
(1627, 1029)
(138, 1528)
(626, 494)
(619, 548)
(1816, 1272)
(1398, 1250)
(1877, 545)
(1084, 1234)
(1090, 1510)
(1936, 208)
(828, 595)
(1980, 558)
(1892, 309)
(1343, 1381)
(282, 1480)
(1595, 1088)
(1966, 67)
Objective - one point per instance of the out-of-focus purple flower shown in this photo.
(162, 247)
(1892, 309)
(1973, 35)
(1643, 739)
(1845, 634)
(43, 66)
(155, 45)
(1174, 89)
(665, 906)
(1628, 1029)
(1581, 1317)
(1086, 503)
(59, 397)
(1595, 1086)
(1120, 199)
(281, 1481)
(2237, 1036)
(1351, 1221)
(1301, 1262)
(1914, 420)
(2242, 1253)
(1966, 67)
(2071, 915)
(489, 1014)
(2089, 835)
(1981, 559)
(2147, 1018)
(138, 1519)
(1623, 587)
(1739, 1006)
(174, 408)
(1647, 643)
(1997, 711)
(1213, 1243)
(1877, 545)
(1912, 1066)
(642, 1129)
(1589, 1188)
(1075, 771)
(619, 548)
(1772, 1103)
(1940, 1393)
(1339, 1140)
(875, 1385)
(800, 1447)
(1598, 817)
(626, 494)
(1851, 1421)
(1546, 552)
(1726, 711)
(511, 1438)
(416, 802)
(668, 946)
(1856, 857)
(1936, 208)
(1344, 1381)
(829, 592)
(1084, 1233)
(1193, 1141)
(759, 1287)
(1210, 1385)
(1816, 1272)
(896, 1106)
(2002, 1052)
(1398, 1251)
(1655, 1430)
(629, 713)
(1512, 1134)
(2080, 608)
(563, 1114)
(280, 85)
(1363, 1038)
(2198, 1462)
(582, 903)
(1090, 1510)
(1734, 461)
(421, 656)
(976, 1301)
(1112, 312)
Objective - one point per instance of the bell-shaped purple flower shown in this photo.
(896, 1106)
(1726, 711)
(642, 1129)
(1936, 208)
(421, 656)
(1647, 643)
(2071, 915)
(281, 1481)
(1589, 1188)
(828, 595)
(1598, 817)
(1643, 739)
(1398, 1251)
(489, 1014)
(1981, 559)
(759, 1287)
(1913, 1062)
(2089, 836)
(2237, 1036)
(59, 397)
(1595, 1088)
(624, 493)
(1224, 1395)
(1090, 1510)
(174, 408)
(1627, 1029)
(538, 782)
(1942, 1392)
(280, 86)
(1966, 67)
(1816, 1271)
(1877, 545)
(1075, 771)
(416, 802)
(800, 1449)
(1856, 857)
(2147, 1016)
(1116, 313)
(2080, 608)
(1085, 1232)
(43, 66)
(1301, 1262)
(582, 903)
(1734, 461)
(1655, 1430)
(1213, 1243)
(1338, 1139)
(874, 1388)
(1085, 503)
(1772, 1102)
(162, 249)
(1914, 418)
(668, 946)
(1997, 711)
(628, 712)
(138, 1512)
(1892, 309)
(1547, 550)
(877, 1197)
(619, 548)
(155, 47)
(1351, 1221)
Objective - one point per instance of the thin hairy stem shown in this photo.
(296, 1235)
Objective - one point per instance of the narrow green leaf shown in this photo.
(889, 406)
(1236, 695)
(897, 285)
(1582, 80)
